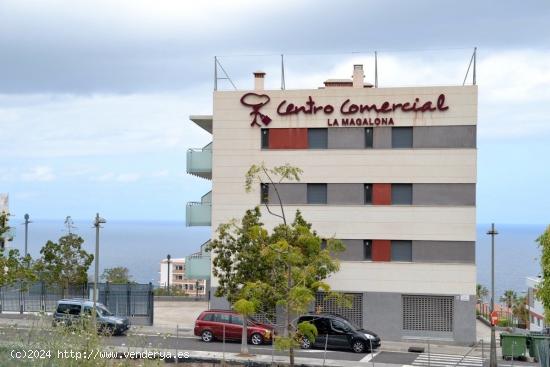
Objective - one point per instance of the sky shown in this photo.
(95, 95)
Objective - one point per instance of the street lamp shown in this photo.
(168, 277)
(27, 221)
(97, 224)
(493, 356)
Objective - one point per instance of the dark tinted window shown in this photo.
(316, 193)
(69, 309)
(401, 250)
(401, 194)
(322, 325)
(339, 326)
(264, 193)
(236, 319)
(222, 317)
(317, 138)
(367, 250)
(402, 137)
(369, 134)
(208, 317)
(265, 138)
(368, 193)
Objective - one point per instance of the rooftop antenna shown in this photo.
(375, 69)
(472, 61)
(69, 224)
(216, 77)
(282, 72)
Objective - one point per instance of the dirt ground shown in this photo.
(173, 313)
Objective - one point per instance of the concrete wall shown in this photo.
(464, 328)
(444, 194)
(382, 138)
(444, 251)
(289, 192)
(444, 137)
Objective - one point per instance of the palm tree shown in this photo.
(509, 298)
(519, 310)
(481, 293)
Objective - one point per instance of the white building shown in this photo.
(177, 278)
(4, 208)
(535, 307)
(389, 171)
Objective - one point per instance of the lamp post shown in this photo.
(168, 277)
(493, 355)
(97, 224)
(27, 221)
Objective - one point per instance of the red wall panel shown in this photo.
(287, 138)
(381, 194)
(381, 250)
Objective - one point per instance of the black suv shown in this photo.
(337, 332)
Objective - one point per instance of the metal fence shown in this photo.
(132, 300)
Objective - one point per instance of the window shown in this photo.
(428, 313)
(367, 250)
(401, 250)
(317, 138)
(264, 195)
(368, 193)
(265, 138)
(369, 134)
(236, 320)
(401, 194)
(402, 137)
(326, 304)
(179, 277)
(316, 193)
(208, 317)
(69, 309)
(222, 317)
(322, 325)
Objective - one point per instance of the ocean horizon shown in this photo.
(141, 245)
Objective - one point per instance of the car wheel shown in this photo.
(207, 336)
(305, 343)
(256, 339)
(107, 330)
(358, 346)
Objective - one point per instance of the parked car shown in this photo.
(339, 333)
(69, 311)
(212, 324)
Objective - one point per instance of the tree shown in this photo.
(481, 293)
(65, 262)
(13, 267)
(509, 298)
(259, 270)
(543, 290)
(116, 275)
(520, 311)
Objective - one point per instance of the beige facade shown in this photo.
(237, 145)
(177, 278)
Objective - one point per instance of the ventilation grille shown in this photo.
(354, 314)
(428, 313)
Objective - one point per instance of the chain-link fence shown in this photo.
(132, 300)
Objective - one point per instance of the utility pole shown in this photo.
(493, 356)
(97, 224)
(168, 257)
(27, 221)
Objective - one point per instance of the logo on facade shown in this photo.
(256, 102)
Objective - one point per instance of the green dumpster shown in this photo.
(534, 342)
(513, 345)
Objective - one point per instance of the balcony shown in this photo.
(199, 162)
(199, 213)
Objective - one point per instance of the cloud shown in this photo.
(39, 173)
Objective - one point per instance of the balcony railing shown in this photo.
(199, 162)
(199, 213)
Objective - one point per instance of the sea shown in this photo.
(141, 245)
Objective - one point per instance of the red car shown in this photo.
(210, 325)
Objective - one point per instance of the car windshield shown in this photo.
(102, 311)
(344, 325)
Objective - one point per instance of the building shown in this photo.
(178, 279)
(535, 307)
(4, 208)
(389, 171)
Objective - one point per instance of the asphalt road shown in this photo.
(194, 344)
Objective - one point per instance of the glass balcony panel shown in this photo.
(199, 162)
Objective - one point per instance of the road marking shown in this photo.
(369, 357)
(437, 360)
